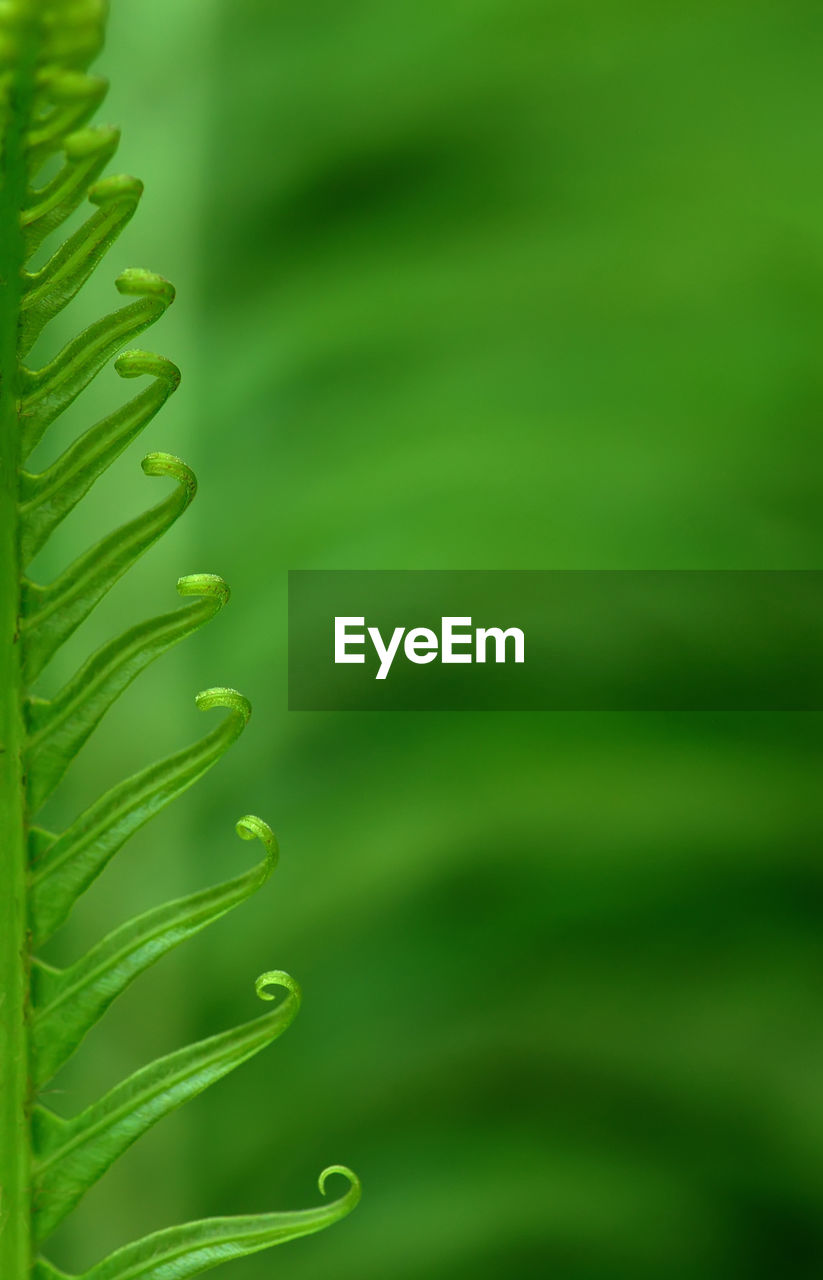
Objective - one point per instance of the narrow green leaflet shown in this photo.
(50, 614)
(62, 867)
(47, 291)
(58, 728)
(86, 152)
(189, 1250)
(47, 392)
(77, 1152)
(68, 1002)
(73, 97)
(47, 498)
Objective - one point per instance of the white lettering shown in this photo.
(420, 645)
(342, 640)
(451, 638)
(500, 638)
(386, 655)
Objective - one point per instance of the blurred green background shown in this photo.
(515, 284)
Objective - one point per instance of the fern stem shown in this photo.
(15, 1156)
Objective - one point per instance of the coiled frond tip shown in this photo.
(204, 584)
(277, 978)
(355, 1189)
(250, 827)
(223, 697)
(137, 364)
(167, 464)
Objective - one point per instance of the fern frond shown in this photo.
(189, 1250)
(58, 727)
(62, 867)
(49, 615)
(46, 393)
(73, 1154)
(47, 291)
(47, 498)
(47, 1161)
(66, 1003)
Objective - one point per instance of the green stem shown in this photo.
(15, 1158)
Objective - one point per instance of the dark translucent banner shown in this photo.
(555, 640)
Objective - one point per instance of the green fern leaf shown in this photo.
(48, 1162)
(198, 1246)
(47, 498)
(68, 1002)
(73, 1154)
(62, 867)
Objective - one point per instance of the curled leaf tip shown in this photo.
(204, 584)
(138, 364)
(250, 827)
(277, 978)
(135, 281)
(115, 187)
(87, 142)
(166, 464)
(222, 697)
(355, 1189)
(73, 86)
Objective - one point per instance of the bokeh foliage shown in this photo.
(500, 284)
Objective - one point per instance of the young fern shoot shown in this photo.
(48, 1161)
